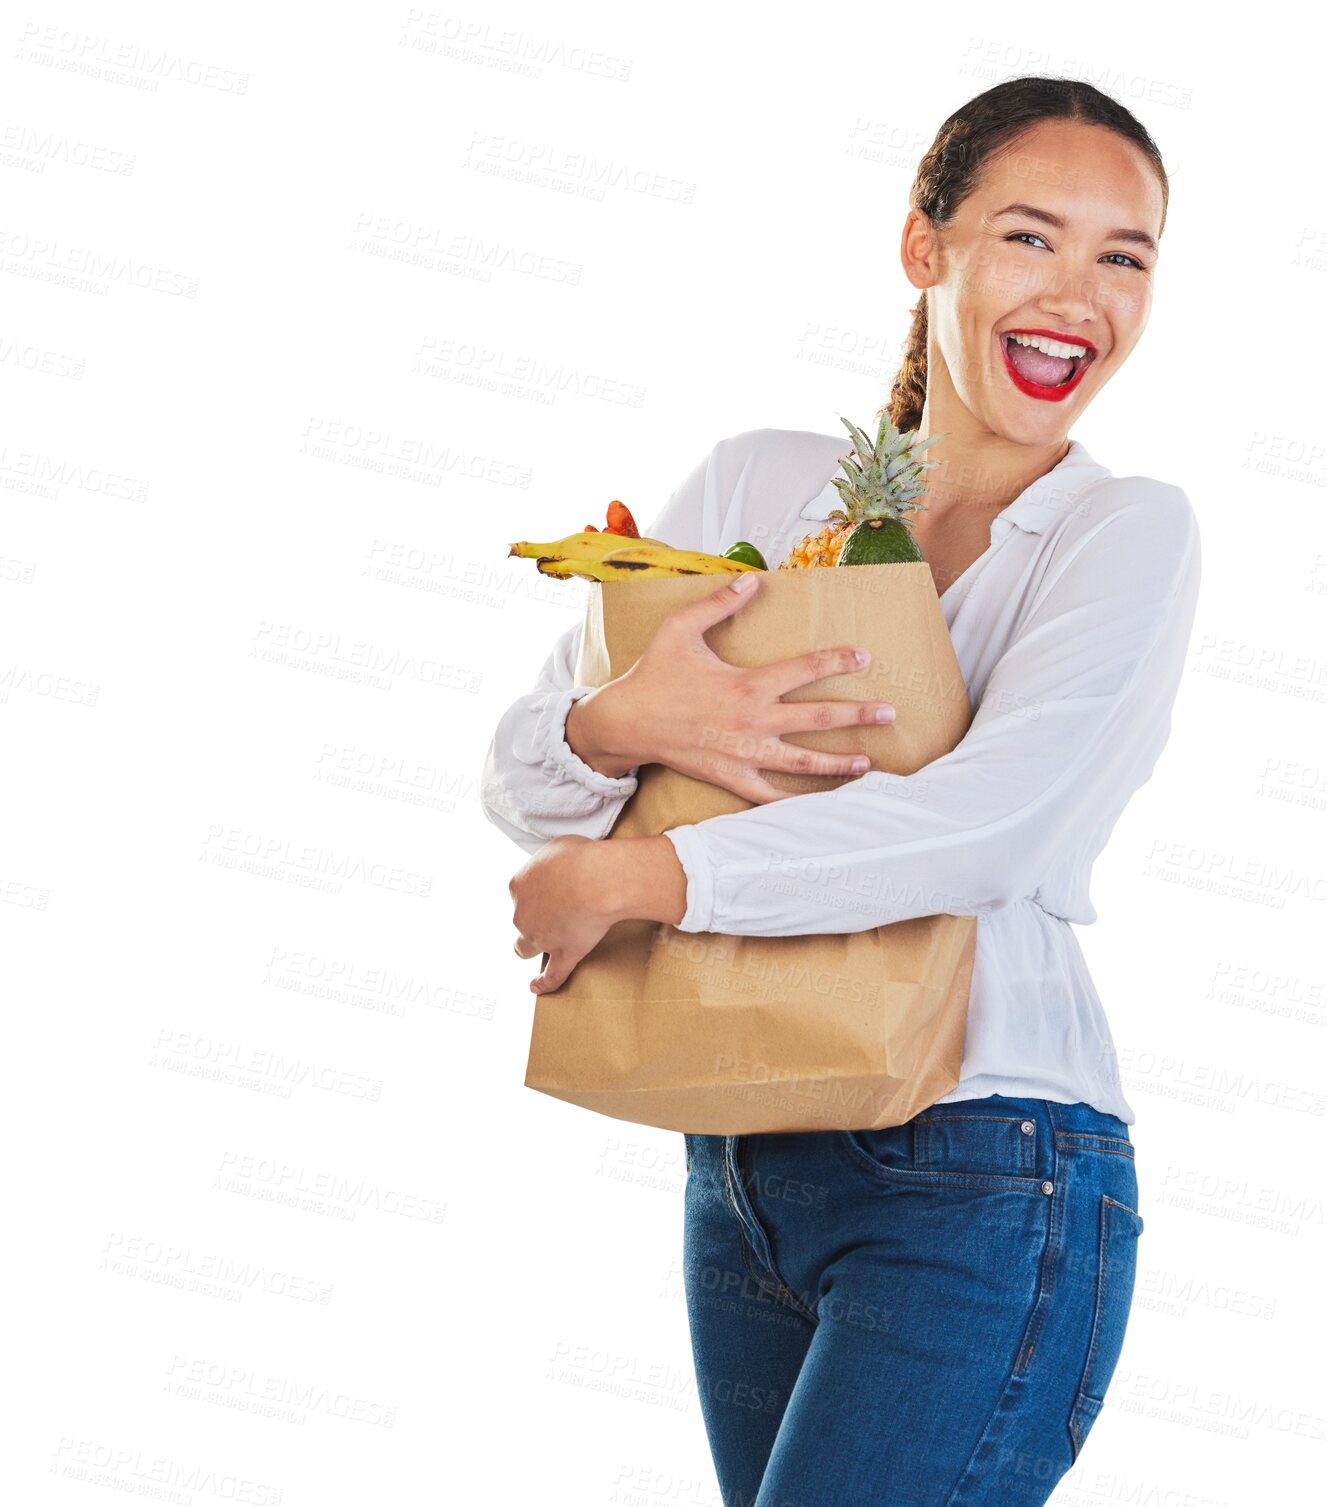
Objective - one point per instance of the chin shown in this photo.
(1034, 429)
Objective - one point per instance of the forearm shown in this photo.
(535, 787)
(1070, 723)
(974, 831)
(641, 879)
(594, 735)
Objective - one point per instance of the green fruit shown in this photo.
(887, 542)
(748, 554)
(880, 486)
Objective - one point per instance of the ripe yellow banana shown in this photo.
(590, 545)
(644, 558)
(589, 570)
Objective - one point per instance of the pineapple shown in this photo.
(879, 488)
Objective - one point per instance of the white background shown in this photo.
(305, 317)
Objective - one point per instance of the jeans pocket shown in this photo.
(952, 1149)
(1117, 1266)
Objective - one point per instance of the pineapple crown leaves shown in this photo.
(881, 479)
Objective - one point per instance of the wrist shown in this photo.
(592, 735)
(643, 880)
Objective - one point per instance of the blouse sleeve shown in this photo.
(534, 786)
(1072, 721)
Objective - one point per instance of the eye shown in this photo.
(1126, 259)
(1132, 260)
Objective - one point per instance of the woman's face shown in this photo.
(1074, 259)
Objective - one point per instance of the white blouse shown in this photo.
(1071, 632)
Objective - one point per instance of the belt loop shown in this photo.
(1055, 1111)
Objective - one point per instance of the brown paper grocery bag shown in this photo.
(713, 1034)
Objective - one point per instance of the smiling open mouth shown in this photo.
(1044, 368)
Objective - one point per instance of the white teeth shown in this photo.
(1051, 347)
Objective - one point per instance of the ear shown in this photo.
(919, 251)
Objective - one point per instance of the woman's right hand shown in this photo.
(683, 706)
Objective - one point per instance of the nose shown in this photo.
(1071, 300)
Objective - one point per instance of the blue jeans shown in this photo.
(926, 1316)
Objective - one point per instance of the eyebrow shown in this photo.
(1031, 212)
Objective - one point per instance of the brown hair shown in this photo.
(948, 173)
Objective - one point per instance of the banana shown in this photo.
(640, 558)
(644, 558)
(590, 545)
(589, 570)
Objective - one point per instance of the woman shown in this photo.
(930, 1313)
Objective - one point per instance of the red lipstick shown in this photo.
(1036, 389)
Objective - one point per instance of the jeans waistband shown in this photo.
(1078, 1122)
(1048, 1114)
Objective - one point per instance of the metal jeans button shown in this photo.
(1048, 1187)
(1028, 1127)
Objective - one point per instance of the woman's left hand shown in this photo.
(574, 888)
(561, 906)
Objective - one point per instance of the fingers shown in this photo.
(736, 591)
(557, 969)
(759, 791)
(806, 716)
(787, 674)
(753, 786)
(776, 754)
(742, 773)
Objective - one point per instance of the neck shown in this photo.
(976, 471)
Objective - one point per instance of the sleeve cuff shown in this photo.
(560, 759)
(690, 849)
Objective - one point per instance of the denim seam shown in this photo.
(1103, 1271)
(782, 1290)
(1128, 1208)
(1077, 1434)
(1052, 1257)
(1083, 1138)
(1082, 1397)
(999, 1182)
(730, 1198)
(999, 1119)
(790, 1297)
(1103, 1151)
(748, 1261)
(779, 1289)
(1099, 1299)
(969, 1471)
